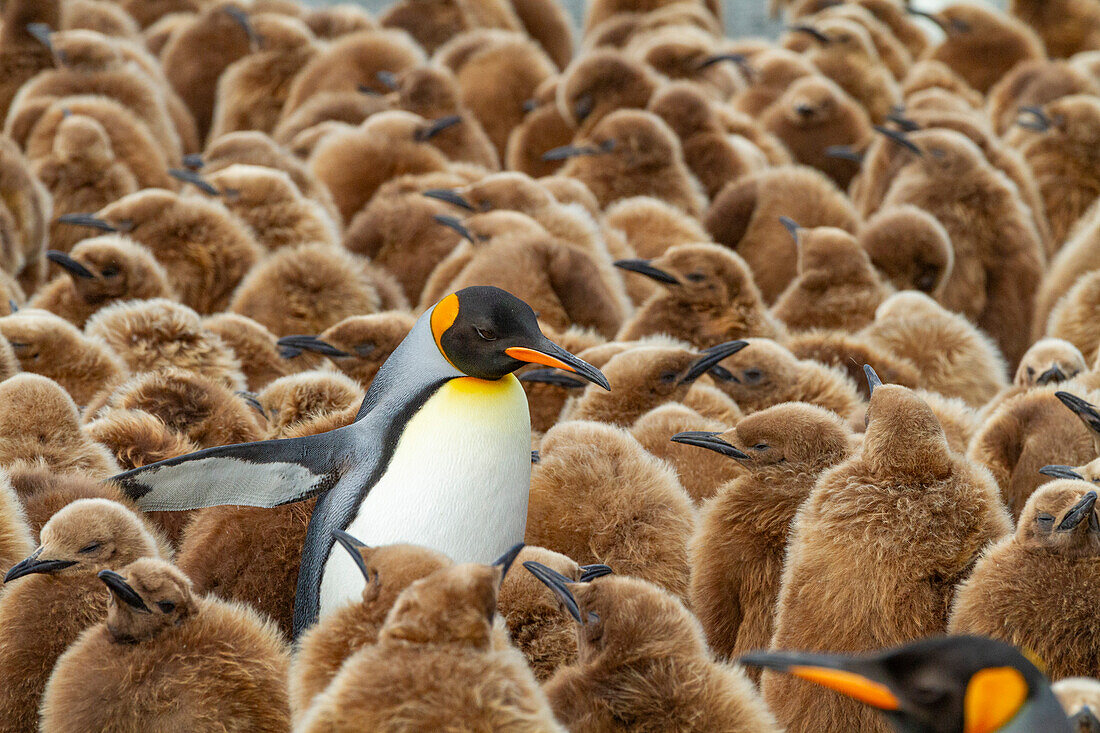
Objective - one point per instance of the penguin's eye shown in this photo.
(761, 446)
(752, 376)
(485, 335)
(696, 277)
(668, 377)
(166, 606)
(1030, 373)
(90, 547)
(364, 349)
(1045, 519)
(109, 271)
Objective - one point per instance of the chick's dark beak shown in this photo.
(1066, 472)
(69, 265)
(710, 441)
(88, 220)
(1079, 513)
(292, 346)
(1051, 376)
(559, 584)
(456, 225)
(833, 672)
(448, 196)
(353, 546)
(545, 352)
(1082, 409)
(437, 126)
(565, 152)
(504, 562)
(187, 175)
(591, 572)
(710, 359)
(34, 564)
(812, 32)
(122, 590)
(642, 267)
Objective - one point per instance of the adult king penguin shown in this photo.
(438, 455)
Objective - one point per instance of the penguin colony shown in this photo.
(308, 319)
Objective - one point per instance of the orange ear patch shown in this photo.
(443, 317)
(993, 697)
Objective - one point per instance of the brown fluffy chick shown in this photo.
(628, 510)
(200, 409)
(305, 397)
(160, 641)
(765, 373)
(690, 54)
(713, 155)
(982, 43)
(353, 60)
(1049, 361)
(96, 64)
(1058, 140)
(938, 78)
(130, 139)
(1026, 433)
(199, 51)
(542, 129)
(24, 219)
(358, 345)
(998, 252)
(910, 248)
(564, 284)
(255, 148)
(741, 538)
(773, 71)
(16, 540)
(49, 345)
(254, 346)
(1072, 317)
(648, 227)
(1035, 83)
(894, 54)
(330, 22)
(435, 665)
(707, 297)
(646, 374)
(812, 117)
(837, 286)
(633, 153)
(844, 52)
(643, 664)
(744, 216)
(397, 229)
(218, 553)
(497, 72)
(1066, 27)
(252, 90)
(275, 210)
(431, 25)
(433, 93)
(44, 491)
(82, 173)
(98, 272)
(536, 622)
(847, 352)
(889, 533)
(1032, 589)
(205, 249)
(156, 334)
(137, 438)
(355, 163)
(701, 474)
(964, 363)
(322, 649)
(308, 288)
(54, 594)
(22, 55)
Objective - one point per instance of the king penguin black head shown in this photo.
(488, 333)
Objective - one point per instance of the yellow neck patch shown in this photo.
(443, 317)
(993, 697)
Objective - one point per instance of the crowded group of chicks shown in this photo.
(843, 286)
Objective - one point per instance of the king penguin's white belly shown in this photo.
(457, 482)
